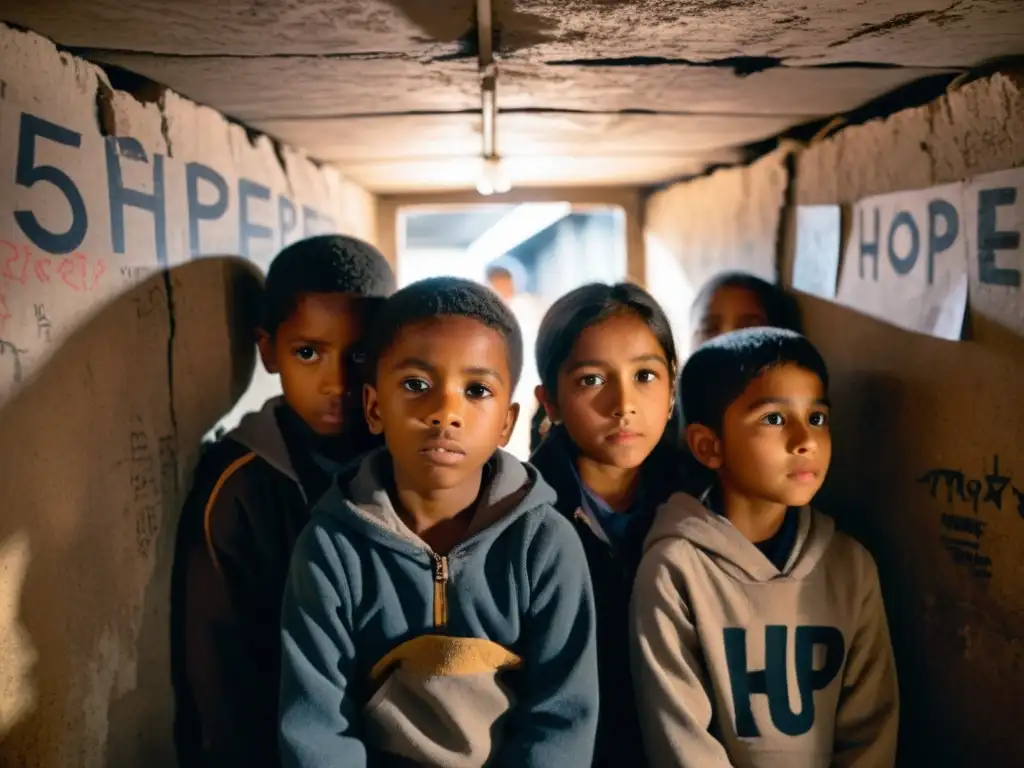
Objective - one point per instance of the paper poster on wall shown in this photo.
(994, 220)
(906, 260)
(818, 244)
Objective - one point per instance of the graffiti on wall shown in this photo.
(963, 497)
(152, 477)
(207, 193)
(90, 215)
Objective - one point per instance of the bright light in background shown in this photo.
(668, 284)
(462, 243)
(515, 228)
(560, 245)
(493, 178)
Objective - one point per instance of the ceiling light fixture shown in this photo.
(492, 179)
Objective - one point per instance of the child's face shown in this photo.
(614, 392)
(442, 400)
(311, 352)
(729, 309)
(775, 444)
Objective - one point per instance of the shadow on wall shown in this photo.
(925, 432)
(96, 453)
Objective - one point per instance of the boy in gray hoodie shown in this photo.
(438, 611)
(759, 634)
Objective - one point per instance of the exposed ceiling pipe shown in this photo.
(491, 179)
(488, 75)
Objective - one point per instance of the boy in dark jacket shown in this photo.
(438, 611)
(251, 497)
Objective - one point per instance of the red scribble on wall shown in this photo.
(20, 264)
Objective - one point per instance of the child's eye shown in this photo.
(773, 419)
(415, 385)
(307, 354)
(646, 377)
(477, 392)
(591, 380)
(819, 419)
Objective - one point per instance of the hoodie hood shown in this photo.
(260, 433)
(684, 517)
(509, 489)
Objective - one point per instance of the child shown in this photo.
(507, 277)
(438, 612)
(251, 498)
(759, 634)
(735, 300)
(607, 362)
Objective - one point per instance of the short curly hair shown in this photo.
(323, 264)
(721, 369)
(437, 297)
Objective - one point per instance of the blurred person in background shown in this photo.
(507, 277)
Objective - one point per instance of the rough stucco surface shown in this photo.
(904, 32)
(247, 28)
(701, 90)
(268, 87)
(111, 371)
(905, 404)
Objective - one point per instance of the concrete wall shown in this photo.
(119, 350)
(905, 405)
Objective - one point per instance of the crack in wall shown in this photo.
(171, 334)
(784, 223)
(900, 20)
(105, 117)
(896, 22)
(165, 127)
(742, 66)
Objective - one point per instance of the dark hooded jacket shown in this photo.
(251, 497)
(612, 570)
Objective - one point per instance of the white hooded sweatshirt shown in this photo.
(740, 664)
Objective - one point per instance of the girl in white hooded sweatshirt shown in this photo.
(759, 637)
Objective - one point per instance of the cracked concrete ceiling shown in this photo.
(589, 91)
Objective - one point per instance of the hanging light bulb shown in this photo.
(493, 179)
(484, 184)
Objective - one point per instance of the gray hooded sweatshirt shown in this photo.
(740, 664)
(394, 654)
